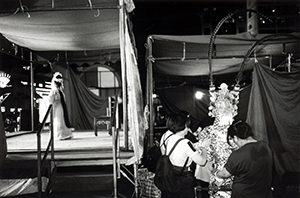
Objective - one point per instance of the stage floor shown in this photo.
(78, 158)
(82, 140)
(84, 145)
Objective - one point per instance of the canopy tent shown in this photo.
(175, 61)
(68, 31)
(68, 25)
(178, 67)
(62, 32)
(187, 55)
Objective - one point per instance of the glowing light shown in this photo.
(199, 95)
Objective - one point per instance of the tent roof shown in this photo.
(62, 25)
(61, 31)
(188, 55)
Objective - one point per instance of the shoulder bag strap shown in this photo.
(164, 142)
(174, 146)
(186, 161)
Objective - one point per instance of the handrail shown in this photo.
(114, 124)
(40, 162)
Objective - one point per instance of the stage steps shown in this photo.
(82, 178)
(73, 170)
(88, 176)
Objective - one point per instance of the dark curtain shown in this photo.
(273, 113)
(3, 144)
(82, 104)
(180, 98)
(183, 98)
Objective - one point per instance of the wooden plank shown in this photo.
(100, 162)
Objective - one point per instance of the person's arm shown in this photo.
(223, 174)
(201, 157)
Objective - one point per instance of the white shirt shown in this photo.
(181, 151)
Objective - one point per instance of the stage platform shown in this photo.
(83, 165)
(84, 145)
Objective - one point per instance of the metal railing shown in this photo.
(41, 162)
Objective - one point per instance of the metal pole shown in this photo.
(150, 91)
(52, 135)
(32, 91)
(135, 180)
(114, 161)
(123, 70)
(39, 174)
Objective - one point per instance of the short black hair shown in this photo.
(240, 129)
(176, 122)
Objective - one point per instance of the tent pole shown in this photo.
(123, 70)
(252, 20)
(150, 91)
(63, 9)
(32, 91)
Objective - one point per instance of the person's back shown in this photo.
(182, 156)
(251, 166)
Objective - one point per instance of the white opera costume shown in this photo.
(56, 98)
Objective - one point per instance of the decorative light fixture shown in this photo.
(4, 79)
(222, 107)
(223, 104)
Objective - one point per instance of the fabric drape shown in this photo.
(82, 104)
(135, 99)
(273, 112)
(3, 144)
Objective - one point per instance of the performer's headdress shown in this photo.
(57, 78)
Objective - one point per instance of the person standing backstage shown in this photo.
(185, 150)
(61, 127)
(251, 164)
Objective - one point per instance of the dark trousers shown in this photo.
(203, 193)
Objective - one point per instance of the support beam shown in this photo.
(32, 91)
(123, 73)
(252, 19)
(150, 93)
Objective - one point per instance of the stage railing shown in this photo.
(114, 127)
(41, 162)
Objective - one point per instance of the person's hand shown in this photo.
(197, 146)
